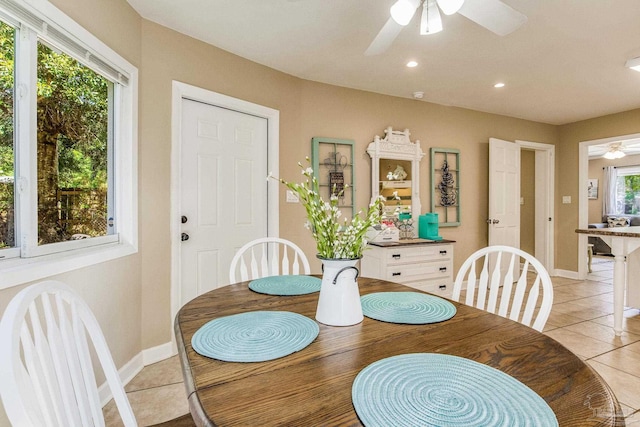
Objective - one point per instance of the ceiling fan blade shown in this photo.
(431, 22)
(494, 15)
(385, 38)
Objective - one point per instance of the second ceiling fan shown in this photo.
(493, 15)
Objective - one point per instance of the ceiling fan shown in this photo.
(493, 15)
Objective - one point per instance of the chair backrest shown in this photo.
(267, 256)
(531, 280)
(46, 371)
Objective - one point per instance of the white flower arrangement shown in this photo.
(333, 240)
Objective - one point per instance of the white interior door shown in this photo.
(223, 191)
(504, 193)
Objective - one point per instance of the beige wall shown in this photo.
(571, 135)
(595, 171)
(528, 195)
(345, 113)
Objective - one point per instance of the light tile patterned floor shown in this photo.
(156, 394)
(581, 319)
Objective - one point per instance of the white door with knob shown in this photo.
(504, 193)
(223, 191)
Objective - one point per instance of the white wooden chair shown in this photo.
(531, 280)
(262, 257)
(46, 370)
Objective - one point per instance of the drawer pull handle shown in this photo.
(443, 268)
(443, 287)
(395, 256)
(396, 274)
(443, 252)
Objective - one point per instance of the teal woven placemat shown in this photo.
(255, 336)
(407, 307)
(286, 285)
(426, 389)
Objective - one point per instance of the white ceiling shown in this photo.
(565, 64)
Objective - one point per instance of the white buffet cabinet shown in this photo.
(422, 264)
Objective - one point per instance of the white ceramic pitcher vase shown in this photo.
(339, 302)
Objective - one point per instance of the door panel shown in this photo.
(208, 266)
(207, 199)
(504, 193)
(223, 191)
(244, 179)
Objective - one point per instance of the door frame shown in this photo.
(182, 91)
(545, 205)
(583, 201)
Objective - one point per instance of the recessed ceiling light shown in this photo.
(498, 85)
(412, 64)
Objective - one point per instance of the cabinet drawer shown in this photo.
(417, 254)
(421, 271)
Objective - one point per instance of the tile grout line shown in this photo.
(155, 387)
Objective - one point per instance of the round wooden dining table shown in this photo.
(312, 387)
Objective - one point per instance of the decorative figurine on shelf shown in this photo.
(448, 193)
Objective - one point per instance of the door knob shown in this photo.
(183, 219)
(488, 220)
(495, 221)
(184, 237)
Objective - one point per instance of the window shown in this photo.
(73, 161)
(67, 144)
(628, 190)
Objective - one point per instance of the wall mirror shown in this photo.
(395, 165)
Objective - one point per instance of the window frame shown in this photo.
(35, 262)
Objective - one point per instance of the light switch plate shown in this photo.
(522, 200)
(566, 199)
(292, 197)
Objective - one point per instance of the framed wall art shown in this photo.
(333, 166)
(445, 186)
(592, 188)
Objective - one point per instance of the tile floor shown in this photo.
(156, 394)
(581, 319)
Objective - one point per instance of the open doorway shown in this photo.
(536, 201)
(591, 196)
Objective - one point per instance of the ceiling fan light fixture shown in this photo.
(402, 11)
(615, 152)
(431, 22)
(449, 7)
(634, 64)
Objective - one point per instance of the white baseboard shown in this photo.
(135, 365)
(157, 353)
(566, 273)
